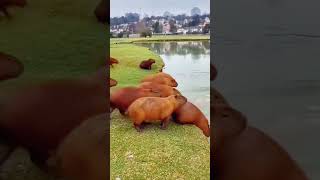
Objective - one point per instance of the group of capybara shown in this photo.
(243, 152)
(146, 64)
(157, 99)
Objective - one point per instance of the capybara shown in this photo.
(102, 12)
(213, 72)
(82, 155)
(4, 4)
(147, 64)
(10, 67)
(122, 98)
(150, 109)
(112, 82)
(161, 78)
(40, 116)
(190, 114)
(113, 61)
(165, 90)
(253, 155)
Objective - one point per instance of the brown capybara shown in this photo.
(161, 78)
(10, 67)
(147, 64)
(102, 12)
(82, 154)
(112, 82)
(122, 98)
(164, 90)
(150, 109)
(213, 72)
(40, 116)
(4, 4)
(190, 114)
(113, 61)
(253, 155)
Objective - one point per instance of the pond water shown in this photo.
(188, 63)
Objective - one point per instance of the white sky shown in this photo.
(157, 7)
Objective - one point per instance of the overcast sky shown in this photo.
(157, 7)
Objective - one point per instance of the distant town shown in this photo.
(133, 25)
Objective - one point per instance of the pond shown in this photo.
(188, 63)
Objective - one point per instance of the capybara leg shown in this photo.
(165, 123)
(138, 127)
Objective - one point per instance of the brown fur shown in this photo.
(112, 82)
(161, 78)
(82, 155)
(113, 61)
(122, 98)
(102, 12)
(4, 4)
(150, 109)
(147, 64)
(39, 117)
(10, 67)
(190, 114)
(164, 90)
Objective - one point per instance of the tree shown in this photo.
(167, 14)
(195, 11)
(132, 17)
(157, 27)
(195, 20)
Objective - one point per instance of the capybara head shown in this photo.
(173, 83)
(20, 3)
(181, 100)
(151, 61)
(151, 92)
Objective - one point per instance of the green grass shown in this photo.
(161, 38)
(180, 152)
(53, 39)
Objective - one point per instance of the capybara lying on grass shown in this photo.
(122, 98)
(82, 155)
(112, 82)
(190, 114)
(150, 109)
(165, 90)
(4, 4)
(147, 64)
(113, 61)
(10, 67)
(39, 117)
(102, 12)
(161, 78)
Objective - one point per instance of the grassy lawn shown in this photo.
(54, 39)
(180, 152)
(159, 38)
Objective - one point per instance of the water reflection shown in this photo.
(188, 63)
